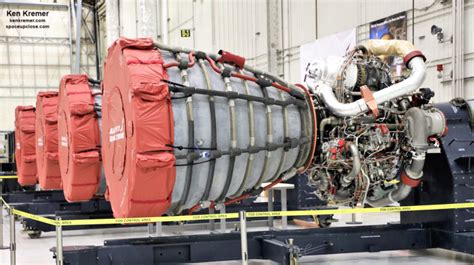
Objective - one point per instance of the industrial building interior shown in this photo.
(236, 132)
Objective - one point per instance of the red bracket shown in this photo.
(230, 58)
(409, 181)
(369, 100)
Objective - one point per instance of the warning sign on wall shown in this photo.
(185, 33)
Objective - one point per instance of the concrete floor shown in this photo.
(36, 251)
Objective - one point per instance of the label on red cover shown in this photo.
(116, 133)
(64, 141)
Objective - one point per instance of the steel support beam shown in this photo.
(164, 21)
(279, 246)
(273, 35)
(112, 21)
(77, 63)
(146, 23)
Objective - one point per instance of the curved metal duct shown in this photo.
(413, 59)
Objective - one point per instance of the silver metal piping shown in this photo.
(413, 82)
(396, 195)
(356, 165)
(421, 124)
(400, 192)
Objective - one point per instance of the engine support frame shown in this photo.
(446, 229)
(270, 245)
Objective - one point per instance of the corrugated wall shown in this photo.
(240, 26)
(299, 27)
(469, 49)
(33, 60)
(334, 16)
(436, 52)
(341, 15)
(138, 18)
(235, 25)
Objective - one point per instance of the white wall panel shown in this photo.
(238, 26)
(299, 27)
(202, 29)
(332, 18)
(436, 53)
(6, 116)
(235, 26)
(33, 60)
(336, 16)
(180, 15)
(128, 18)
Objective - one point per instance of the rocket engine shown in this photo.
(183, 129)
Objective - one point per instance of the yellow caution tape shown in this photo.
(9, 177)
(164, 219)
(137, 220)
(265, 214)
(5, 203)
(143, 220)
(36, 217)
(364, 210)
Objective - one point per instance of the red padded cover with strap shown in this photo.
(137, 127)
(47, 140)
(79, 139)
(25, 145)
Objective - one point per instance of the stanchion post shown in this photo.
(159, 229)
(150, 229)
(212, 222)
(12, 237)
(284, 219)
(1, 222)
(243, 237)
(354, 219)
(270, 208)
(59, 242)
(223, 220)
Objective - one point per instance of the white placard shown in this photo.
(333, 45)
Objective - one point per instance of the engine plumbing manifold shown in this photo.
(374, 133)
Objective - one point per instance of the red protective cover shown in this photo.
(47, 140)
(137, 127)
(25, 145)
(79, 139)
